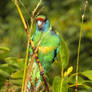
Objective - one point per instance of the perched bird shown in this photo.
(48, 47)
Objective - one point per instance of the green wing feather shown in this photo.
(49, 41)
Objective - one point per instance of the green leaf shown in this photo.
(63, 53)
(88, 74)
(4, 73)
(63, 86)
(56, 84)
(12, 61)
(19, 63)
(4, 49)
(18, 74)
(4, 52)
(7, 68)
(73, 79)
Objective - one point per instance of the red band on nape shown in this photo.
(41, 19)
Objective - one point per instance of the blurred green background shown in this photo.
(65, 17)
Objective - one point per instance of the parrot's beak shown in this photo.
(39, 24)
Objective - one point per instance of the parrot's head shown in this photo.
(42, 23)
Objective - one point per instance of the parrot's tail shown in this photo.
(37, 87)
(35, 84)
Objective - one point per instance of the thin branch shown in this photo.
(25, 26)
(39, 11)
(34, 11)
(28, 73)
(77, 66)
(31, 43)
(24, 8)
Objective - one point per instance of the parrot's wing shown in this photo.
(46, 41)
(45, 49)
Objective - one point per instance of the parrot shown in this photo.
(49, 43)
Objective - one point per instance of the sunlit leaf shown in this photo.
(88, 74)
(69, 70)
(4, 49)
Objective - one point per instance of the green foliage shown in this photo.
(10, 67)
(60, 85)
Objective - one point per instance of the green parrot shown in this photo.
(49, 43)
